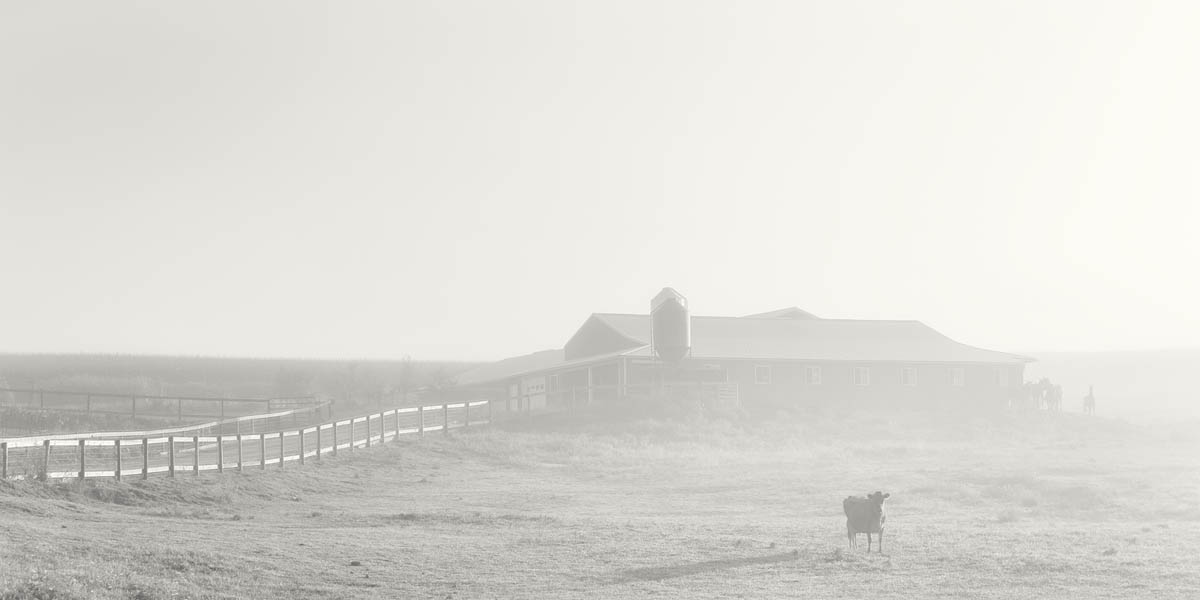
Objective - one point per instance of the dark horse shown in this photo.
(1054, 396)
(1089, 403)
(1039, 395)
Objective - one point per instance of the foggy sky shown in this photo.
(470, 180)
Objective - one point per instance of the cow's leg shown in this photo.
(850, 536)
(881, 540)
(868, 542)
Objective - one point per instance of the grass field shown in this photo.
(1019, 506)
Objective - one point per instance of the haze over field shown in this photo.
(1137, 386)
(468, 180)
(257, 258)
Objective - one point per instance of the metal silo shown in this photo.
(671, 326)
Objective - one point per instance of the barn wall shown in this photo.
(933, 384)
(789, 389)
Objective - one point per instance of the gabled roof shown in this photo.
(814, 339)
(777, 335)
(791, 312)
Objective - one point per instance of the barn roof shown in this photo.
(773, 338)
(777, 335)
(509, 367)
(791, 312)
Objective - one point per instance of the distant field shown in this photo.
(355, 386)
(1033, 506)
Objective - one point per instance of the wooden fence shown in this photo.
(84, 457)
(268, 422)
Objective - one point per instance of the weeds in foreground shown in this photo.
(39, 587)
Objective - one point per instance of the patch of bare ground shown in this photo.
(1013, 508)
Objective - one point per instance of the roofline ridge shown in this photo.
(870, 320)
(1022, 357)
(600, 317)
(754, 318)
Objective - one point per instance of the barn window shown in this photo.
(908, 376)
(1001, 377)
(714, 374)
(553, 382)
(958, 377)
(812, 375)
(762, 374)
(862, 376)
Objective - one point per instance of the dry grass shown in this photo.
(1033, 507)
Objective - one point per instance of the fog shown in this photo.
(613, 299)
(1142, 387)
(469, 180)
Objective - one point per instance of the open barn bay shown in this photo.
(1008, 506)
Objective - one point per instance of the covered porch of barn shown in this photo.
(628, 380)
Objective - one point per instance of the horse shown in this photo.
(1032, 394)
(1054, 398)
(1089, 403)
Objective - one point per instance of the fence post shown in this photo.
(3, 461)
(171, 455)
(335, 444)
(222, 403)
(179, 410)
(352, 420)
(368, 431)
(301, 432)
(239, 457)
(467, 413)
(445, 419)
(46, 459)
(117, 443)
(262, 451)
(397, 414)
(195, 455)
(145, 458)
(421, 420)
(220, 454)
(318, 442)
(82, 467)
(281, 452)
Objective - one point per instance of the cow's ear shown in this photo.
(887, 495)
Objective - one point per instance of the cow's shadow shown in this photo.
(660, 573)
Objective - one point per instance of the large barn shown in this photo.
(786, 356)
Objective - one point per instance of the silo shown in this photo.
(671, 326)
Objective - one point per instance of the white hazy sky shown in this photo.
(470, 180)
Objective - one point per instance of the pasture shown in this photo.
(1015, 506)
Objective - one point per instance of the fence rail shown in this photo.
(81, 457)
(268, 422)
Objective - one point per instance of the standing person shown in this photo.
(1089, 402)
